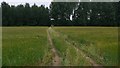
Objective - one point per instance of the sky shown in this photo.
(31, 2)
(42, 2)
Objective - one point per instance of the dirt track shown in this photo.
(56, 58)
(93, 63)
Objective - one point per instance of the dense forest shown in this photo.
(62, 14)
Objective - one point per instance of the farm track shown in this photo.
(56, 59)
(93, 63)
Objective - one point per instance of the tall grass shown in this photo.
(24, 46)
(70, 56)
(29, 45)
(101, 43)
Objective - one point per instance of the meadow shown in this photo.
(25, 46)
(28, 46)
(100, 43)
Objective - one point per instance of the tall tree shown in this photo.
(5, 13)
(19, 15)
(27, 15)
(118, 13)
(95, 13)
(61, 12)
(80, 16)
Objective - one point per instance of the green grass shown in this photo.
(101, 43)
(68, 53)
(24, 46)
(0, 46)
(28, 46)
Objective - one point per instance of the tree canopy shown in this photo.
(62, 14)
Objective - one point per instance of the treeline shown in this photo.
(62, 14)
(24, 15)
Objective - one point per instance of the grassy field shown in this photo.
(25, 46)
(68, 53)
(100, 43)
(0, 46)
(29, 45)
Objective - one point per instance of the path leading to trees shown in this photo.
(93, 63)
(56, 58)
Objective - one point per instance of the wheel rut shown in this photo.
(56, 59)
(93, 63)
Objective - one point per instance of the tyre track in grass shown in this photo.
(93, 63)
(56, 59)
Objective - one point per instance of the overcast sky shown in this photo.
(31, 2)
(45, 2)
